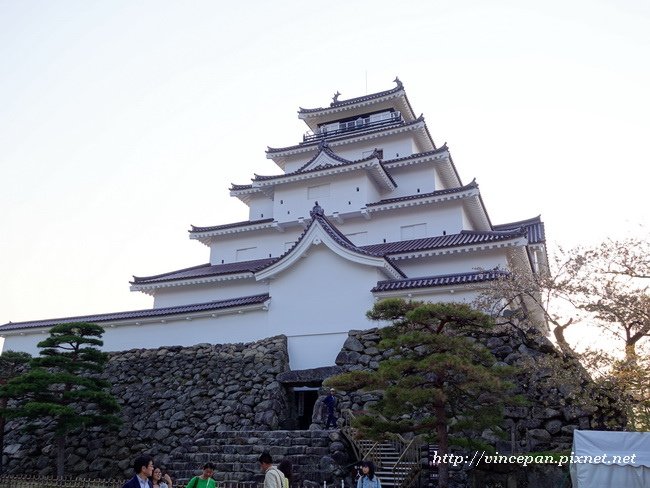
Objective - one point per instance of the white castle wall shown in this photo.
(414, 180)
(464, 262)
(221, 290)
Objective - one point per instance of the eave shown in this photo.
(373, 166)
(204, 234)
(150, 288)
(444, 164)
(395, 99)
(484, 246)
(148, 316)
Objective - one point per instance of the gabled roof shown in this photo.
(325, 162)
(464, 238)
(322, 230)
(440, 280)
(142, 314)
(534, 229)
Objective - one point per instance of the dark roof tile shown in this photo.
(233, 225)
(464, 238)
(418, 196)
(205, 270)
(534, 229)
(441, 280)
(352, 101)
(142, 314)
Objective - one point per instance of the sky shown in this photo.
(124, 122)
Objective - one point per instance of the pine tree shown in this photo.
(10, 362)
(439, 384)
(62, 385)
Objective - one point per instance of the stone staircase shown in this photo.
(236, 454)
(397, 461)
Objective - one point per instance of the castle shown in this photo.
(366, 207)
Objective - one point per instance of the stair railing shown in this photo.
(408, 465)
(363, 449)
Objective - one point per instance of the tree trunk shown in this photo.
(558, 332)
(60, 456)
(443, 446)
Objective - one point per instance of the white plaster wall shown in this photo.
(442, 217)
(394, 146)
(261, 243)
(464, 262)
(322, 294)
(413, 180)
(25, 343)
(459, 295)
(221, 290)
(260, 207)
(313, 351)
(294, 200)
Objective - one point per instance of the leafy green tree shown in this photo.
(10, 362)
(440, 384)
(62, 385)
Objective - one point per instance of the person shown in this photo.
(205, 480)
(273, 477)
(143, 468)
(285, 468)
(368, 478)
(330, 403)
(160, 481)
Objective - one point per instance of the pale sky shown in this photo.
(123, 122)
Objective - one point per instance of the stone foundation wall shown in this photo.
(556, 389)
(170, 397)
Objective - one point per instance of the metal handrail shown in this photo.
(409, 452)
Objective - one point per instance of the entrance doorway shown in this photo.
(304, 399)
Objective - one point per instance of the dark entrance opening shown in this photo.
(304, 400)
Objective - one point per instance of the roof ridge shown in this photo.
(351, 101)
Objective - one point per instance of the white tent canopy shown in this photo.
(610, 459)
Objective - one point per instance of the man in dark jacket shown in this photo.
(143, 467)
(330, 403)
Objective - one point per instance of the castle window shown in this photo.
(416, 231)
(245, 253)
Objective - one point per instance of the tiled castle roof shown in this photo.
(206, 270)
(352, 101)
(142, 314)
(534, 229)
(464, 238)
(230, 226)
(448, 191)
(441, 280)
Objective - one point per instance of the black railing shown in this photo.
(360, 124)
